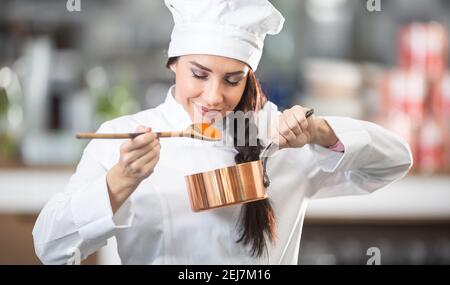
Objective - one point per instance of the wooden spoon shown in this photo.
(202, 131)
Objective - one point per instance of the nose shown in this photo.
(214, 95)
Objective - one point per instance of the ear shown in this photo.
(173, 67)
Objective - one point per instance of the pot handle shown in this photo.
(266, 180)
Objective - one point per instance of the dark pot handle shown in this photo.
(266, 180)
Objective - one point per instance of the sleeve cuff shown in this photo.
(338, 147)
(91, 209)
(355, 140)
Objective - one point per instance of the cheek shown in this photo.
(233, 97)
(189, 88)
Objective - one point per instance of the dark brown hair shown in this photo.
(257, 219)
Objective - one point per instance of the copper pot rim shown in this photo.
(226, 167)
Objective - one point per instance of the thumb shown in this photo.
(142, 129)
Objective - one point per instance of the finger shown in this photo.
(285, 131)
(146, 158)
(143, 129)
(141, 140)
(292, 122)
(299, 113)
(141, 162)
(284, 134)
(130, 156)
(149, 167)
(129, 144)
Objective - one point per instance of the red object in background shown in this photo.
(441, 99)
(440, 93)
(417, 95)
(424, 47)
(405, 91)
(431, 145)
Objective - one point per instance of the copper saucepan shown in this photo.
(241, 183)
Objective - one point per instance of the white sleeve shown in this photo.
(373, 158)
(80, 218)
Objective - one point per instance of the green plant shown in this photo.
(115, 100)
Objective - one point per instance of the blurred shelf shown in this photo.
(414, 198)
(20, 166)
(26, 191)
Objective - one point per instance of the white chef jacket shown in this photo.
(156, 224)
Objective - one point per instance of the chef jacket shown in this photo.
(156, 225)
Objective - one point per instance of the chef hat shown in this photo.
(230, 28)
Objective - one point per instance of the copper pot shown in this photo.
(227, 186)
(241, 183)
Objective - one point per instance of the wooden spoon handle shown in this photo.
(169, 134)
(107, 136)
(125, 135)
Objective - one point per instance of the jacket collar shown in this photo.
(174, 112)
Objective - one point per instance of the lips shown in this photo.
(204, 110)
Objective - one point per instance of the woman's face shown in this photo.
(209, 86)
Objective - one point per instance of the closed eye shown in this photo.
(198, 75)
(233, 81)
(230, 80)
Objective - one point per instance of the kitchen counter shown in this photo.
(26, 190)
(414, 197)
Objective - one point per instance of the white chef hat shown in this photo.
(230, 28)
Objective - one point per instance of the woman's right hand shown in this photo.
(138, 158)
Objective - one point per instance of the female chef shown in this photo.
(135, 189)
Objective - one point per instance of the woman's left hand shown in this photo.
(294, 130)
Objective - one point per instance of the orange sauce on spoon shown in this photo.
(208, 130)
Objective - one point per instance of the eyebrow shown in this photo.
(200, 66)
(209, 70)
(234, 73)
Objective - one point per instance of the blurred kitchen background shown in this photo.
(62, 72)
